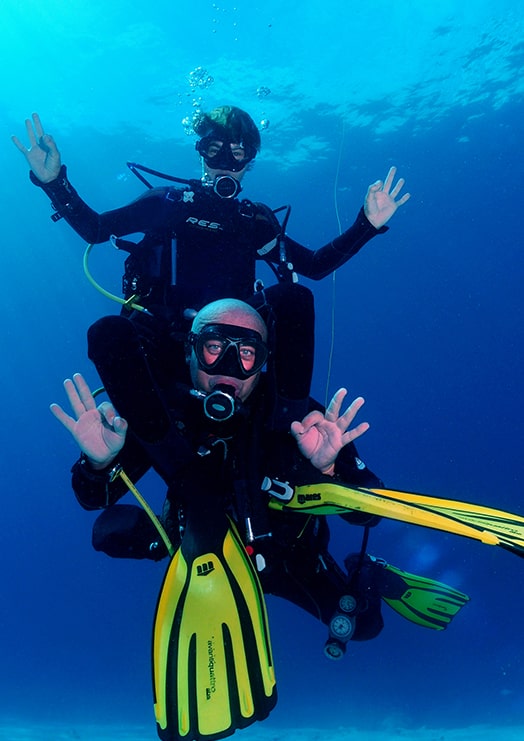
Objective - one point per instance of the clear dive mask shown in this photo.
(220, 153)
(228, 350)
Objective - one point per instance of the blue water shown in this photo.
(428, 324)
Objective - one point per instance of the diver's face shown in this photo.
(204, 382)
(221, 343)
(224, 160)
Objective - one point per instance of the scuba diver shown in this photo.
(219, 452)
(201, 243)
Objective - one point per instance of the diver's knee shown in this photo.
(125, 531)
(110, 330)
(368, 623)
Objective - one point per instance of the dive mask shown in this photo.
(216, 152)
(228, 350)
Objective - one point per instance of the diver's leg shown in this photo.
(288, 309)
(364, 583)
(163, 340)
(316, 592)
(116, 349)
(303, 571)
(125, 531)
(295, 570)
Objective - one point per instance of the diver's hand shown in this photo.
(380, 203)
(321, 437)
(99, 431)
(43, 155)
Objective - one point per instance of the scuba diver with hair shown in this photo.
(201, 243)
(220, 451)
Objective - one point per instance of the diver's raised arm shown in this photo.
(99, 432)
(321, 437)
(381, 201)
(42, 156)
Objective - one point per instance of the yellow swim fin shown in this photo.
(490, 526)
(212, 664)
(421, 600)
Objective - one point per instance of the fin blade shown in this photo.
(421, 600)
(506, 527)
(487, 525)
(212, 663)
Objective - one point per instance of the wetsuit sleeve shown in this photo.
(143, 214)
(96, 489)
(316, 264)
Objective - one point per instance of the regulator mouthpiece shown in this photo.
(220, 405)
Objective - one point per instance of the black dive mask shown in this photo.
(228, 350)
(220, 156)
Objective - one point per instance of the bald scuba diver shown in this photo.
(222, 446)
(201, 243)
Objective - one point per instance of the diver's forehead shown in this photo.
(239, 321)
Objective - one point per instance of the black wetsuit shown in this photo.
(299, 567)
(199, 247)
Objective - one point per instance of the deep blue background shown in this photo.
(428, 328)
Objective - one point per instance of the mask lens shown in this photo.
(220, 351)
(247, 355)
(222, 154)
(211, 350)
(220, 151)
